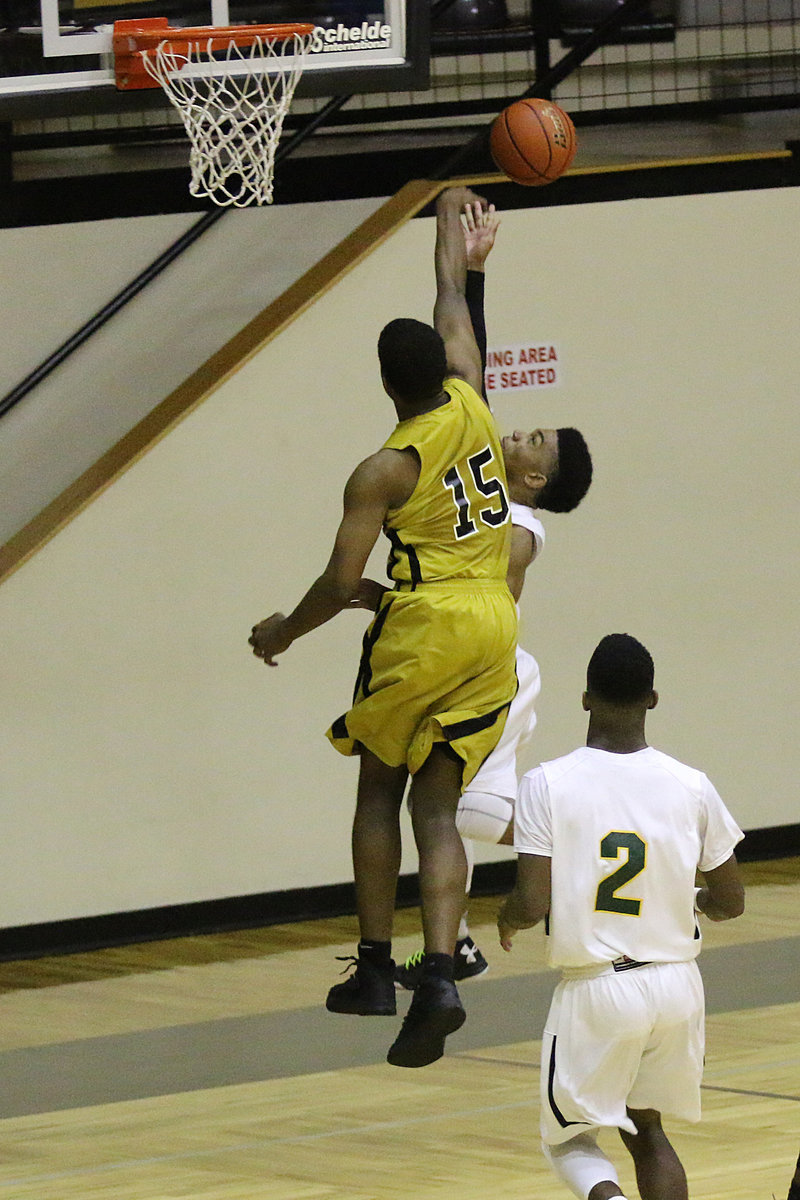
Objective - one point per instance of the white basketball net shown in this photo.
(233, 120)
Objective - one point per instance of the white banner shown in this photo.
(522, 366)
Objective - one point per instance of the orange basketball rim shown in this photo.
(133, 40)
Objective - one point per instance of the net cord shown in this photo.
(234, 118)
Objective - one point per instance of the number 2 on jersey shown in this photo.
(607, 900)
(465, 526)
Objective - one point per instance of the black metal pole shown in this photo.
(150, 273)
(541, 57)
(107, 312)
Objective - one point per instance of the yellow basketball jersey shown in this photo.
(456, 522)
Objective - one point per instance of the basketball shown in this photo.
(533, 141)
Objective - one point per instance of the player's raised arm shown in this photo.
(451, 315)
(480, 230)
(382, 481)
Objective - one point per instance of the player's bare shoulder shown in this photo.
(388, 473)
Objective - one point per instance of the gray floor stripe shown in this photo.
(303, 1041)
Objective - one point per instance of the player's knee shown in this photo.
(484, 817)
(434, 820)
(648, 1130)
(645, 1119)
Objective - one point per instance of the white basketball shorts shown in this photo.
(498, 774)
(633, 1038)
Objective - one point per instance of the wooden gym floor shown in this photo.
(208, 1068)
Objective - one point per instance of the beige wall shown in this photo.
(54, 278)
(152, 760)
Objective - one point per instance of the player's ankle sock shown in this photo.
(463, 928)
(378, 953)
(440, 965)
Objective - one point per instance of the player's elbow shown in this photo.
(727, 905)
(725, 891)
(339, 590)
(530, 910)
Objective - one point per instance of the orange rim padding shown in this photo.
(134, 39)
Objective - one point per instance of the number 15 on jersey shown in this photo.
(468, 511)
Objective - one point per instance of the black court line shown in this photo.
(710, 1087)
(706, 1087)
(501, 1062)
(277, 1045)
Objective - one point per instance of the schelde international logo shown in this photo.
(369, 35)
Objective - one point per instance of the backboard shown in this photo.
(55, 55)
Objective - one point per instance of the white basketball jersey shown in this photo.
(626, 833)
(498, 774)
(522, 515)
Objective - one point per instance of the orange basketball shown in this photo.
(533, 141)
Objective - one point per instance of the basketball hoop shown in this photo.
(232, 86)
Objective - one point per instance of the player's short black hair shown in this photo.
(570, 483)
(413, 359)
(620, 670)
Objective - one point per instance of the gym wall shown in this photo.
(152, 760)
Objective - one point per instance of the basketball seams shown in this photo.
(529, 167)
(545, 134)
(572, 145)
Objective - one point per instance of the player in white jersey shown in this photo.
(610, 839)
(479, 816)
(794, 1187)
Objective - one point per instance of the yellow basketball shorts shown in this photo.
(437, 665)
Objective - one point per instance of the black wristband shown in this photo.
(474, 297)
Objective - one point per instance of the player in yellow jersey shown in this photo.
(437, 673)
(486, 807)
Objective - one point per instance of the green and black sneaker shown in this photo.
(467, 963)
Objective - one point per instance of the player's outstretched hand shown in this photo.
(506, 932)
(459, 198)
(369, 596)
(268, 639)
(480, 230)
